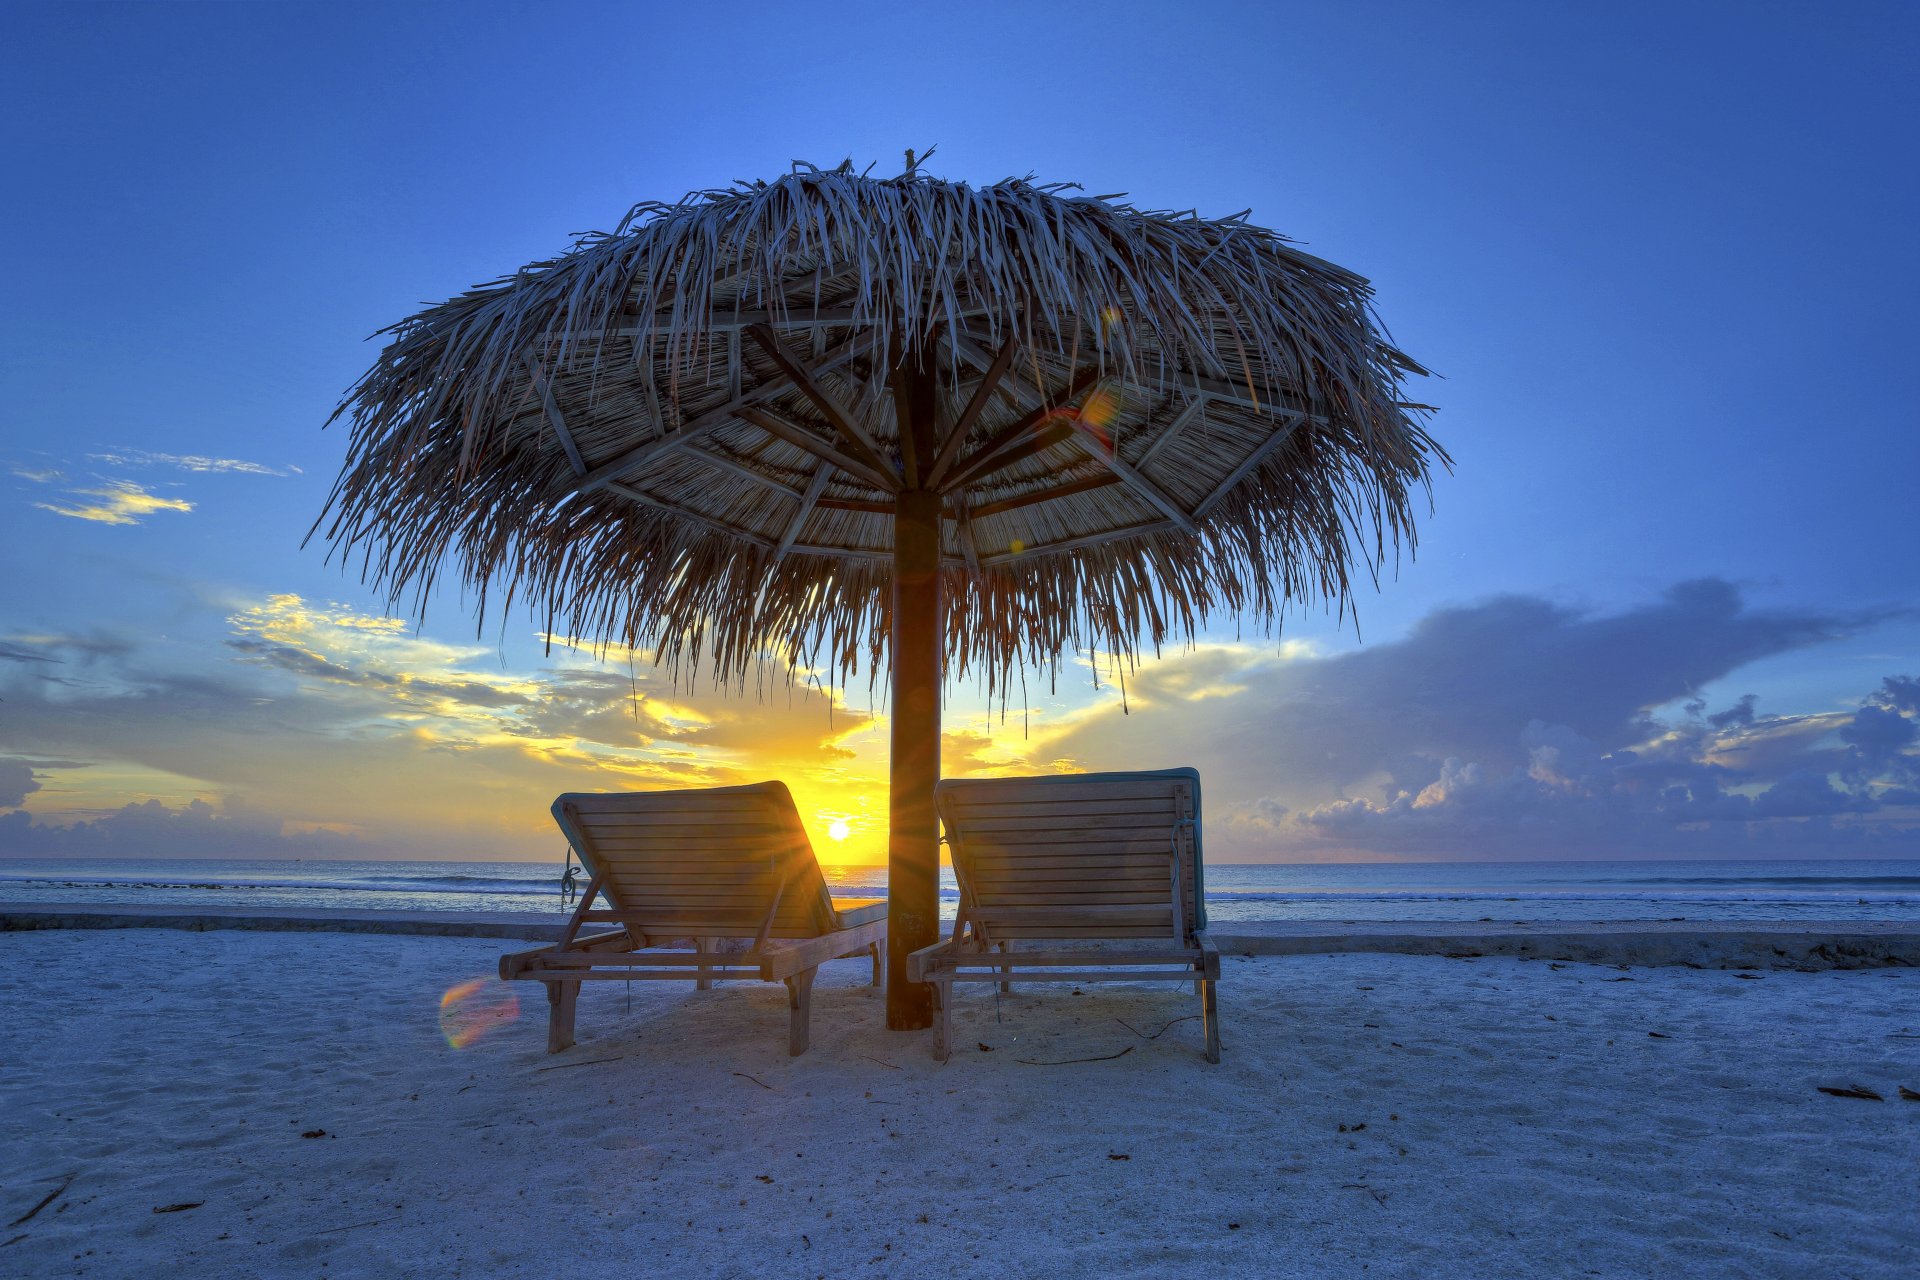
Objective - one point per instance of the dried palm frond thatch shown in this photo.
(694, 431)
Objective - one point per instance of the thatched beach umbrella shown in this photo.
(833, 419)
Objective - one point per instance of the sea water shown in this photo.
(1502, 891)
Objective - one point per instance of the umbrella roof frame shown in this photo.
(692, 428)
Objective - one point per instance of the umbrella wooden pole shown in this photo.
(913, 847)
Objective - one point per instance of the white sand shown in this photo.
(1519, 1120)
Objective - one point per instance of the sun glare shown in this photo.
(838, 829)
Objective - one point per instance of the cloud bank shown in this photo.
(1521, 728)
(16, 783)
(153, 830)
(1515, 727)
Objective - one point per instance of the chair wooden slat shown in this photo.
(1028, 810)
(1020, 791)
(635, 805)
(1043, 819)
(1145, 869)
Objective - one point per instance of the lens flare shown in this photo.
(473, 1008)
(1094, 415)
(1101, 406)
(1098, 412)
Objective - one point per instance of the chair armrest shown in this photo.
(860, 912)
(517, 963)
(781, 960)
(924, 963)
(1209, 953)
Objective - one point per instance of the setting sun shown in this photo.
(838, 829)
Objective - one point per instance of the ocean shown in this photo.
(1501, 891)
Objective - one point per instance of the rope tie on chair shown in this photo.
(1173, 854)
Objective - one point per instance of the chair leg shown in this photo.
(1210, 1017)
(562, 998)
(705, 947)
(879, 954)
(800, 1012)
(1006, 987)
(942, 1020)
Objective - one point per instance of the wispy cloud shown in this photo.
(26, 646)
(124, 502)
(188, 462)
(116, 502)
(10, 652)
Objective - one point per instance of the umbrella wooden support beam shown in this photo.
(913, 835)
(913, 845)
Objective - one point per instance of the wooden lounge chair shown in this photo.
(1107, 862)
(726, 863)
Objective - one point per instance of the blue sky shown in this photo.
(1662, 255)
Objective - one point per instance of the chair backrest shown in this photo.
(1114, 855)
(708, 862)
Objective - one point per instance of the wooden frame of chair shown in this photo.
(1109, 858)
(727, 862)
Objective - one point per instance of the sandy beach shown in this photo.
(1388, 1114)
